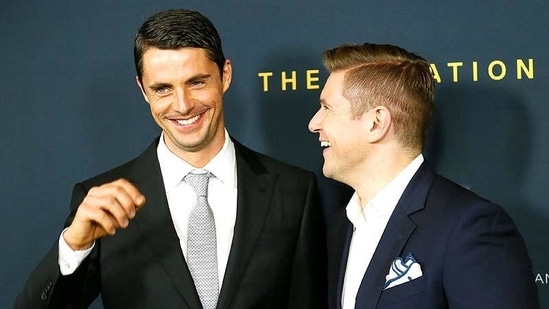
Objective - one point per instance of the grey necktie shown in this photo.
(202, 243)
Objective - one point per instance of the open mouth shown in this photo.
(186, 122)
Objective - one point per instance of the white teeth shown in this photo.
(324, 144)
(188, 121)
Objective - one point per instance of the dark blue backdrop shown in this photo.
(70, 107)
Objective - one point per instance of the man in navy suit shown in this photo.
(126, 237)
(408, 238)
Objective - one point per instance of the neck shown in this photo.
(383, 168)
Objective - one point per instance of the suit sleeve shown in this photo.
(487, 264)
(309, 280)
(47, 288)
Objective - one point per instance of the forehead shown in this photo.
(168, 61)
(333, 88)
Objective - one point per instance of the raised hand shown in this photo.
(105, 209)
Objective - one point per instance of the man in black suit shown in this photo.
(127, 234)
(408, 237)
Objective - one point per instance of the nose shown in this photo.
(314, 123)
(183, 103)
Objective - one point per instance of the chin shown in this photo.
(326, 172)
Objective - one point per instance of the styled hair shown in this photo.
(387, 75)
(175, 29)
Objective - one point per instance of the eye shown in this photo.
(161, 90)
(197, 83)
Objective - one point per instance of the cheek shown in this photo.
(154, 108)
(208, 96)
(159, 105)
(346, 139)
(215, 100)
(335, 130)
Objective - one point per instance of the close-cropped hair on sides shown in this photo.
(387, 75)
(175, 29)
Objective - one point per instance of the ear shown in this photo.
(227, 75)
(379, 122)
(142, 89)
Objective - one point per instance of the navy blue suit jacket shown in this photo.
(470, 252)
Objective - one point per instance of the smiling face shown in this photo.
(185, 90)
(342, 136)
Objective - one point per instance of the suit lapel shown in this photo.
(154, 221)
(339, 243)
(396, 234)
(255, 186)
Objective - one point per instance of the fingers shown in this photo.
(105, 209)
(136, 197)
(120, 199)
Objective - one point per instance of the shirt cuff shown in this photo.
(69, 259)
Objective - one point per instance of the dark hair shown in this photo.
(382, 74)
(175, 29)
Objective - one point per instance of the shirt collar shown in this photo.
(382, 205)
(222, 165)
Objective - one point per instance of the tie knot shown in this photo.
(199, 182)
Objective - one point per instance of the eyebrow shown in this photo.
(198, 77)
(323, 102)
(159, 85)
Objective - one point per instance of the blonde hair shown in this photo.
(390, 76)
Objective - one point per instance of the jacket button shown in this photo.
(45, 292)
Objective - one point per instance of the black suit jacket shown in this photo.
(470, 252)
(277, 257)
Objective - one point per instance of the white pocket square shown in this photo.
(402, 271)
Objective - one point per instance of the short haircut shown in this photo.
(390, 76)
(175, 29)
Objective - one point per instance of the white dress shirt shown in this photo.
(369, 222)
(222, 197)
(222, 194)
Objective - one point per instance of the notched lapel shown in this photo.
(155, 222)
(339, 243)
(396, 234)
(255, 190)
(394, 238)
